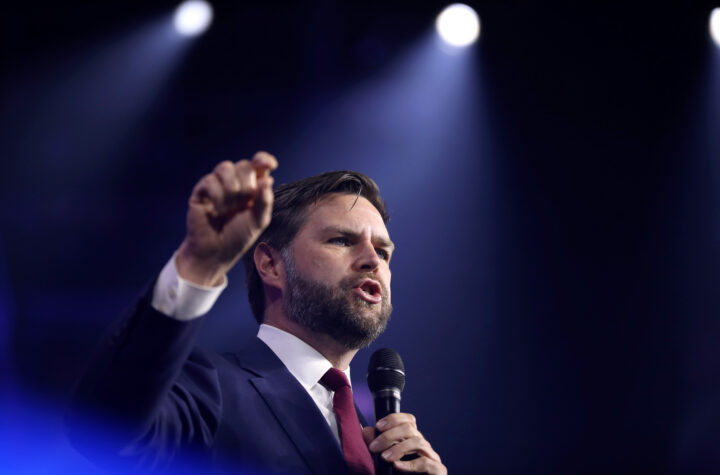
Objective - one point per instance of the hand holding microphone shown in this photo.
(395, 434)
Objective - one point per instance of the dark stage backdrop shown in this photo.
(553, 190)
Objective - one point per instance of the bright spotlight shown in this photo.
(715, 25)
(193, 17)
(458, 25)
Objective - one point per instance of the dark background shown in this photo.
(553, 191)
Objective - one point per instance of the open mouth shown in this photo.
(369, 290)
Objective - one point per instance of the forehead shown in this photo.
(349, 211)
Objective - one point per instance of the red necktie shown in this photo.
(357, 456)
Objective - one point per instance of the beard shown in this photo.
(334, 310)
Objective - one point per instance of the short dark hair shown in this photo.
(290, 211)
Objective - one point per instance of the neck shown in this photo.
(339, 356)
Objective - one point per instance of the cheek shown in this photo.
(325, 267)
(325, 262)
(311, 260)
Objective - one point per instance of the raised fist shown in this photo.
(228, 210)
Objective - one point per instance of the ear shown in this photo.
(270, 266)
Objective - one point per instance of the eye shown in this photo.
(340, 241)
(383, 254)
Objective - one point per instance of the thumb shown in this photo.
(368, 434)
(262, 207)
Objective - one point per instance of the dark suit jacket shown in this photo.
(184, 410)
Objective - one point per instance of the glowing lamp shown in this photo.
(193, 17)
(458, 25)
(715, 25)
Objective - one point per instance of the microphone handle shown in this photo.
(386, 402)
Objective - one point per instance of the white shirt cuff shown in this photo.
(182, 300)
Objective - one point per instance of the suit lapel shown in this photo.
(294, 409)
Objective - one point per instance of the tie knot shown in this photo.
(335, 379)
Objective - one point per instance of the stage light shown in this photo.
(193, 17)
(458, 25)
(715, 25)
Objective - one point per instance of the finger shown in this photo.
(209, 190)
(262, 207)
(245, 174)
(393, 436)
(421, 465)
(368, 434)
(396, 419)
(225, 172)
(264, 163)
(413, 445)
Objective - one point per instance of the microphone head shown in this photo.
(385, 371)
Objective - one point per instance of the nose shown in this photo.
(367, 259)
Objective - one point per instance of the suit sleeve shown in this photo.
(146, 396)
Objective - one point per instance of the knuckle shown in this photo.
(205, 185)
(200, 187)
(415, 465)
(224, 166)
(244, 165)
(211, 179)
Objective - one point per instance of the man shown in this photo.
(319, 284)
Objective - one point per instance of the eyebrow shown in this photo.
(347, 232)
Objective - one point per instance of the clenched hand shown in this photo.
(228, 210)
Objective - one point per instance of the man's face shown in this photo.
(338, 272)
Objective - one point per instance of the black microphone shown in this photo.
(386, 380)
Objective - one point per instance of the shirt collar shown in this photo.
(302, 360)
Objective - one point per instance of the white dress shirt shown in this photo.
(183, 300)
(307, 365)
